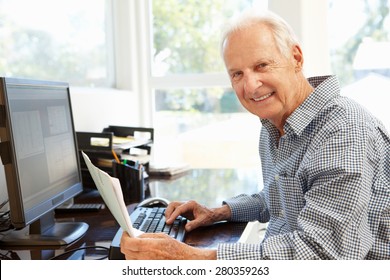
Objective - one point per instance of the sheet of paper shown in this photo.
(111, 192)
(253, 233)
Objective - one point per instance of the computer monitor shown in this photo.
(41, 162)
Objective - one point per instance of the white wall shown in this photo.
(308, 18)
(94, 109)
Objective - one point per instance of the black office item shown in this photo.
(103, 147)
(40, 157)
(149, 220)
(99, 148)
(131, 178)
(144, 136)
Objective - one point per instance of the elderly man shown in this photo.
(325, 160)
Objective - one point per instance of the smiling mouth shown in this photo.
(261, 98)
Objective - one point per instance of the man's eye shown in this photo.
(261, 66)
(236, 75)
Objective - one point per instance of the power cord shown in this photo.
(3, 203)
(83, 248)
(5, 222)
(10, 255)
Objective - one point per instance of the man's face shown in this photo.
(265, 81)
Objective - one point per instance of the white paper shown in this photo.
(253, 233)
(111, 192)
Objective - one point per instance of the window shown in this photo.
(359, 48)
(55, 40)
(354, 42)
(182, 90)
(197, 117)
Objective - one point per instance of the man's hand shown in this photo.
(198, 215)
(159, 246)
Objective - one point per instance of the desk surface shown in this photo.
(206, 186)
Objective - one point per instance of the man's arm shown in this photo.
(159, 246)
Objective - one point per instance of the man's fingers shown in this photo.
(180, 209)
(171, 208)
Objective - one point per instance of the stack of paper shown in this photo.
(128, 142)
(168, 169)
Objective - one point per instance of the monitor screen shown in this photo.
(40, 157)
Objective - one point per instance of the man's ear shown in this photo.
(298, 57)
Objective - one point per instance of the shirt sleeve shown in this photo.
(245, 208)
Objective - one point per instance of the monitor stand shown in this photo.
(44, 233)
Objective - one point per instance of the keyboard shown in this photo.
(149, 220)
(153, 220)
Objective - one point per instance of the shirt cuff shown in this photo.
(239, 251)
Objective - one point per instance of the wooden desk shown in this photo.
(209, 187)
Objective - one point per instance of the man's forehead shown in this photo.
(254, 40)
(255, 33)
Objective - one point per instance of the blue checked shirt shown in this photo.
(326, 191)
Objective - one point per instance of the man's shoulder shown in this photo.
(344, 118)
(352, 112)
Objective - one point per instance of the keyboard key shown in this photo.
(153, 220)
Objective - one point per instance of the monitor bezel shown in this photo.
(21, 217)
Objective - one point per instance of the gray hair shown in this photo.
(284, 36)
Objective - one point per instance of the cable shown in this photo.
(3, 203)
(83, 248)
(5, 256)
(5, 222)
(2, 214)
(10, 255)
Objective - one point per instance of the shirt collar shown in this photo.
(325, 89)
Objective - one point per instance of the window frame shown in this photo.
(132, 25)
(133, 68)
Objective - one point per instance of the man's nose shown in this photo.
(251, 83)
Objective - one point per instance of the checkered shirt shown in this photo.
(326, 191)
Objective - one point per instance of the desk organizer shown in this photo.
(114, 143)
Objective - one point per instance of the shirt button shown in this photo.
(276, 177)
